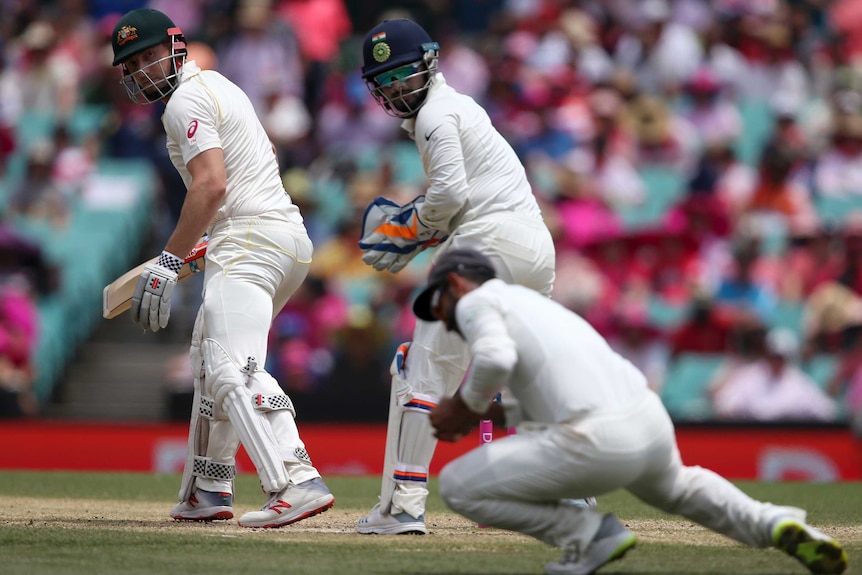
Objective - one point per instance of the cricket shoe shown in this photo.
(585, 503)
(816, 550)
(204, 506)
(292, 504)
(611, 542)
(376, 523)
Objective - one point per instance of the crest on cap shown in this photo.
(381, 50)
(126, 34)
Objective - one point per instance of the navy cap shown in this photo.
(467, 262)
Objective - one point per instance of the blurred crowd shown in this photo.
(699, 162)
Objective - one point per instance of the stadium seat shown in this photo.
(684, 390)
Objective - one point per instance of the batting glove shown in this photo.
(151, 304)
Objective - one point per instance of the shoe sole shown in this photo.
(619, 550)
(217, 516)
(304, 515)
(819, 555)
(404, 529)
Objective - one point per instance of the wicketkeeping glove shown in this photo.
(151, 304)
(393, 234)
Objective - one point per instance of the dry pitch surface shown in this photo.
(148, 516)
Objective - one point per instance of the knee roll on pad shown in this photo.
(228, 384)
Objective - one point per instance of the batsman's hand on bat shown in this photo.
(452, 419)
(151, 303)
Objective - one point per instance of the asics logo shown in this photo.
(279, 505)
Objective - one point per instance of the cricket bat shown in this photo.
(117, 296)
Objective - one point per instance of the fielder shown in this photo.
(587, 424)
(258, 255)
(478, 196)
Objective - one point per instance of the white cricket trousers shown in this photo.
(254, 265)
(517, 482)
(522, 251)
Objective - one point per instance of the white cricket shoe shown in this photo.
(204, 506)
(816, 550)
(292, 504)
(611, 542)
(585, 503)
(376, 523)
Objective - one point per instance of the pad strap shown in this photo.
(273, 402)
(420, 402)
(206, 467)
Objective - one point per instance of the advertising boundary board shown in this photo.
(827, 453)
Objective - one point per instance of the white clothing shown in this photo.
(754, 392)
(478, 192)
(258, 255)
(838, 175)
(472, 171)
(525, 342)
(209, 111)
(590, 426)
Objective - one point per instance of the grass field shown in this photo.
(112, 523)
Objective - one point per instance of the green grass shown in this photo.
(78, 530)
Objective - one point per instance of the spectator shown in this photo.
(740, 295)
(704, 330)
(19, 322)
(838, 172)
(846, 381)
(49, 77)
(713, 116)
(37, 199)
(661, 52)
(772, 388)
(637, 340)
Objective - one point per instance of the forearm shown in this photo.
(197, 213)
(204, 198)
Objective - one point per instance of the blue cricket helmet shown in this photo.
(394, 43)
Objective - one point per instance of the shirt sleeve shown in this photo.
(192, 123)
(494, 352)
(439, 145)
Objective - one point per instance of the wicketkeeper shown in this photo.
(478, 196)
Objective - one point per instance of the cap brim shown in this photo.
(422, 303)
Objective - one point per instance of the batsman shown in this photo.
(478, 196)
(258, 255)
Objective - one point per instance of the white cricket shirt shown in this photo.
(209, 111)
(553, 362)
(472, 170)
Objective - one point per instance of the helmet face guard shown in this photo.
(394, 53)
(159, 79)
(140, 30)
(390, 88)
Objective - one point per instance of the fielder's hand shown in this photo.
(452, 419)
(151, 304)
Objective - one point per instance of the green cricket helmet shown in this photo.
(137, 31)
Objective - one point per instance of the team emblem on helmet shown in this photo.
(125, 34)
(381, 51)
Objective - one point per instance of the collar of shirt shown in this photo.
(189, 70)
(409, 125)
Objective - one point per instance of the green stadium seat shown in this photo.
(758, 123)
(664, 186)
(688, 378)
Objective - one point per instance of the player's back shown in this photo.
(564, 365)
